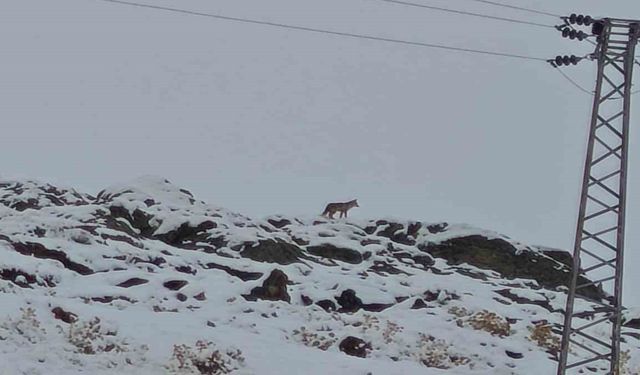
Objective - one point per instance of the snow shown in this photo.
(147, 320)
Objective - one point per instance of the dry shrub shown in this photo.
(313, 339)
(90, 338)
(458, 312)
(27, 327)
(487, 321)
(436, 353)
(625, 366)
(543, 336)
(204, 359)
(390, 331)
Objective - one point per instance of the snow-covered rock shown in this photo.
(144, 278)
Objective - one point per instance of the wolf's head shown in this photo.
(354, 203)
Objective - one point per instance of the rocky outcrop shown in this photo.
(274, 288)
(271, 251)
(500, 256)
(336, 253)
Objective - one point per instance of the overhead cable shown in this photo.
(324, 31)
(505, 19)
(518, 8)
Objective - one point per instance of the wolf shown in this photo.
(332, 208)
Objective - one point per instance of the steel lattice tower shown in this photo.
(591, 331)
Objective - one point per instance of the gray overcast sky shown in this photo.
(265, 121)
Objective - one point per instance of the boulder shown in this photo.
(354, 346)
(274, 288)
(348, 301)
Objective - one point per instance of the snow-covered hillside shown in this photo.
(144, 278)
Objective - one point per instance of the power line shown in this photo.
(505, 19)
(573, 82)
(323, 31)
(518, 8)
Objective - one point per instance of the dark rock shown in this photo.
(370, 241)
(336, 253)
(300, 241)
(370, 230)
(354, 346)
(274, 288)
(271, 251)
(437, 228)
(12, 274)
(175, 284)
(200, 296)
(633, 323)
(376, 307)
(185, 232)
(66, 316)
(522, 300)
(242, 275)
(186, 269)
(279, 223)
(391, 232)
(181, 297)
(424, 260)
(348, 301)
(134, 281)
(157, 261)
(366, 255)
(39, 251)
(514, 355)
(381, 267)
(306, 300)
(419, 304)
(561, 256)
(430, 296)
(108, 299)
(500, 256)
(413, 228)
(121, 238)
(138, 219)
(211, 324)
(327, 305)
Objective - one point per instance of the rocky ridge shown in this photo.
(402, 294)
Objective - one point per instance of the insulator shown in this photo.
(566, 60)
(581, 36)
(574, 59)
(572, 18)
(597, 28)
(559, 60)
(580, 19)
(565, 32)
(587, 20)
(573, 34)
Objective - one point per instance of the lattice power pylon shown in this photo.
(591, 331)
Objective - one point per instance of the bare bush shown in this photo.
(437, 353)
(314, 339)
(27, 328)
(542, 334)
(90, 338)
(486, 321)
(204, 359)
